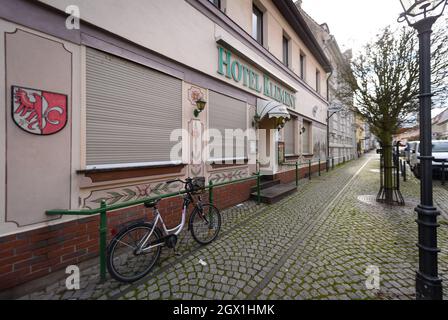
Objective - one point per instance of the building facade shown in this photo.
(96, 110)
(341, 123)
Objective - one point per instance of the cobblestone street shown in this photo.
(316, 244)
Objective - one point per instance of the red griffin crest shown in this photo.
(39, 112)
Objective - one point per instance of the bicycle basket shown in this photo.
(198, 184)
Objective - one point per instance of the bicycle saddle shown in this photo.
(151, 204)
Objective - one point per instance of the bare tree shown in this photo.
(385, 82)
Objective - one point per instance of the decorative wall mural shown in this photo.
(129, 193)
(194, 94)
(229, 176)
(39, 112)
(319, 143)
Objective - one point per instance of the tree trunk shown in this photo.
(388, 167)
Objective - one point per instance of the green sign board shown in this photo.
(249, 77)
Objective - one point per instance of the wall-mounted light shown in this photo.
(256, 120)
(281, 122)
(302, 131)
(200, 106)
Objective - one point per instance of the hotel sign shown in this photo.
(252, 79)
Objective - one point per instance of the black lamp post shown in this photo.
(421, 14)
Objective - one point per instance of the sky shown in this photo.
(355, 22)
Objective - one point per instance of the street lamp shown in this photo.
(421, 14)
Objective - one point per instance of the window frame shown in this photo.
(318, 80)
(286, 57)
(257, 12)
(302, 61)
(216, 3)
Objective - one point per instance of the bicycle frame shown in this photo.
(167, 232)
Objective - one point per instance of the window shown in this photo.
(306, 137)
(318, 81)
(302, 66)
(285, 51)
(289, 134)
(257, 24)
(131, 111)
(217, 3)
(227, 114)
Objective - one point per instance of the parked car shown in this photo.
(408, 151)
(439, 152)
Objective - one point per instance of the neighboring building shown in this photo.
(440, 126)
(360, 135)
(439, 129)
(91, 111)
(342, 128)
(408, 134)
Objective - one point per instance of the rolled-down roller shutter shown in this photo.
(290, 137)
(231, 114)
(131, 112)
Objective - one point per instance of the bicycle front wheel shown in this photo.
(124, 263)
(205, 223)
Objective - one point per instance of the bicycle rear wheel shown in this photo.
(123, 263)
(205, 223)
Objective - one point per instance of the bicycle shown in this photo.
(133, 251)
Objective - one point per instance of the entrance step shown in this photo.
(275, 193)
(264, 184)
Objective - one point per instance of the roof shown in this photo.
(292, 14)
(442, 117)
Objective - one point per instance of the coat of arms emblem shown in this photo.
(39, 112)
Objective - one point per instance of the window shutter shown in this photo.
(289, 137)
(306, 138)
(228, 113)
(131, 112)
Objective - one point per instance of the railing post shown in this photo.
(297, 173)
(343, 160)
(404, 171)
(309, 170)
(210, 192)
(443, 172)
(258, 188)
(327, 165)
(332, 160)
(103, 240)
(319, 168)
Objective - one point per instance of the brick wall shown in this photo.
(29, 255)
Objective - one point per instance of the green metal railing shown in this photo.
(105, 208)
(298, 165)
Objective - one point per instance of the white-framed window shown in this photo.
(257, 24)
(285, 46)
(318, 81)
(302, 66)
(131, 111)
(216, 3)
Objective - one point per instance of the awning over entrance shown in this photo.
(272, 109)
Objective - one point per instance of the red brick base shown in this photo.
(33, 254)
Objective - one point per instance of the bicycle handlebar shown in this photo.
(179, 180)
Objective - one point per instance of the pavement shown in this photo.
(330, 240)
